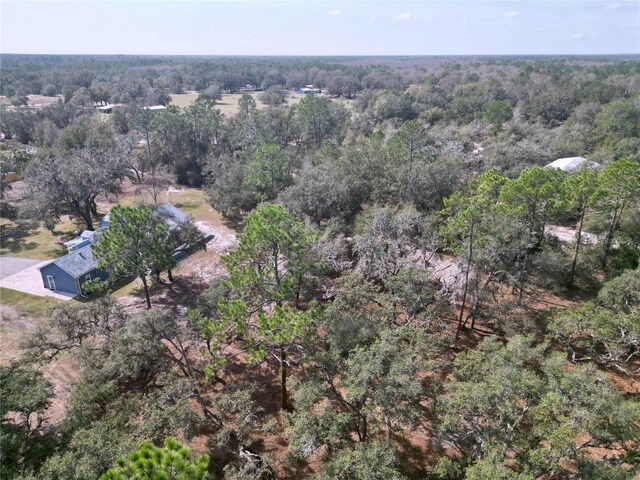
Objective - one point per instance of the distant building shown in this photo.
(155, 107)
(572, 164)
(105, 108)
(309, 89)
(68, 273)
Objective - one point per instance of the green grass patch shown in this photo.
(30, 305)
(190, 201)
(30, 240)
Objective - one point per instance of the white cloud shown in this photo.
(404, 16)
(248, 36)
(612, 6)
(334, 13)
(578, 36)
(510, 14)
(373, 18)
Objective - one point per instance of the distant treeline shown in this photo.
(124, 77)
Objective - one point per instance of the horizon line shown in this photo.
(371, 55)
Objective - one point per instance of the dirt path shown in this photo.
(568, 235)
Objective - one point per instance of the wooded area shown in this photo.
(399, 304)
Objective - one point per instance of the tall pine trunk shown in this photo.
(146, 290)
(578, 240)
(610, 234)
(466, 285)
(283, 379)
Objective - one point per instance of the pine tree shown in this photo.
(134, 244)
(173, 461)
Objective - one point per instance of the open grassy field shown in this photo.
(183, 99)
(31, 240)
(229, 102)
(33, 100)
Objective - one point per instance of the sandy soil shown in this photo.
(15, 327)
(194, 274)
(568, 235)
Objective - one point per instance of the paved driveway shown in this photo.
(11, 265)
(28, 280)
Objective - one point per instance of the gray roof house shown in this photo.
(68, 273)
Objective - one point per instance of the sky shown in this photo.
(314, 27)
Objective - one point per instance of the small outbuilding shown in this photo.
(86, 238)
(573, 164)
(68, 273)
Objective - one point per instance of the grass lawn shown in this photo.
(193, 201)
(30, 240)
(229, 102)
(30, 305)
(183, 99)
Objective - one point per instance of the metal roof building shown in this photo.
(572, 164)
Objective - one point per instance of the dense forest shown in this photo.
(399, 303)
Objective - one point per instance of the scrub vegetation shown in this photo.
(398, 302)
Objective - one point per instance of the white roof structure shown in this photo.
(571, 164)
(155, 107)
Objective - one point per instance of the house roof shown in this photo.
(74, 242)
(171, 215)
(571, 164)
(104, 222)
(76, 263)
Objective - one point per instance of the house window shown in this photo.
(51, 281)
(87, 278)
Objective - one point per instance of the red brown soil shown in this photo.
(193, 276)
(62, 372)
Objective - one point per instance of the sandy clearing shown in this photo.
(568, 235)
